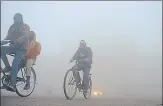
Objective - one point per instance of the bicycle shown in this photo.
(6, 77)
(75, 77)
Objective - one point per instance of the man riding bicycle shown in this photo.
(18, 35)
(84, 57)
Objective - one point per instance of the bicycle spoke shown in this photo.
(70, 79)
(69, 85)
(19, 79)
(19, 84)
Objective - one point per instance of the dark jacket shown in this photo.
(83, 53)
(20, 33)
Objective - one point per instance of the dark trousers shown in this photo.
(86, 70)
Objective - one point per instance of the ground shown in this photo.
(61, 101)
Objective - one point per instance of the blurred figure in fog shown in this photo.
(84, 56)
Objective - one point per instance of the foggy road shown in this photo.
(125, 38)
(61, 101)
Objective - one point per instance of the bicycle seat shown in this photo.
(90, 74)
(12, 54)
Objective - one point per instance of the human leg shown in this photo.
(6, 50)
(28, 72)
(16, 68)
(86, 72)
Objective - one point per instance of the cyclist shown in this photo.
(84, 55)
(33, 50)
(18, 35)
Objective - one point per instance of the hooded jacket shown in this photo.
(20, 33)
(83, 53)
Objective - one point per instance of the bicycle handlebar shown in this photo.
(3, 42)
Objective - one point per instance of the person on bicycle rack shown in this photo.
(18, 36)
(84, 58)
(34, 49)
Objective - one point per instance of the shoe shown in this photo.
(85, 92)
(27, 86)
(11, 88)
(80, 86)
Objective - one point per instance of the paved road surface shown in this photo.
(61, 101)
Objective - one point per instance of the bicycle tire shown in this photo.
(21, 95)
(64, 87)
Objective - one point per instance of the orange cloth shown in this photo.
(33, 50)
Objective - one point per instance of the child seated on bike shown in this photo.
(33, 50)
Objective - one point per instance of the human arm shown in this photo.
(75, 55)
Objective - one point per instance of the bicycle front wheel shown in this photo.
(69, 85)
(21, 81)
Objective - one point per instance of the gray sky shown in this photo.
(126, 39)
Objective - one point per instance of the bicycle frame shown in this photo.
(75, 81)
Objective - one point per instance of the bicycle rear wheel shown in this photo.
(21, 81)
(71, 81)
(89, 91)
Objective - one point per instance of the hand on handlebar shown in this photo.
(3, 42)
(71, 60)
(11, 43)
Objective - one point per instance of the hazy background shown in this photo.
(126, 39)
